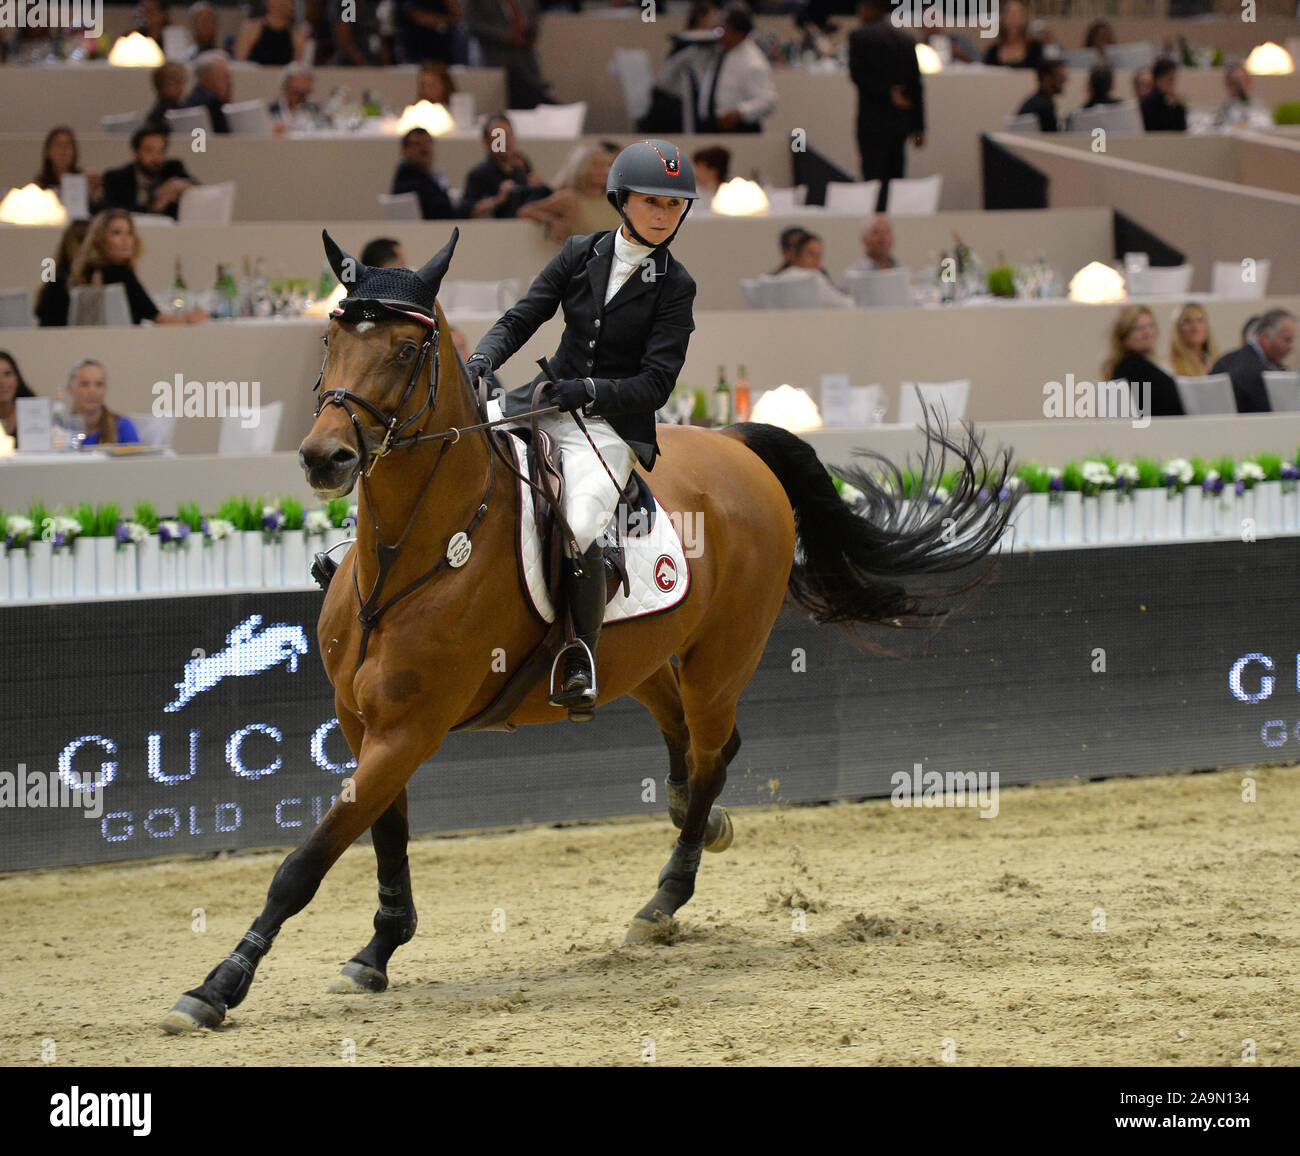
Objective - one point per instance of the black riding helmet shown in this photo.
(653, 167)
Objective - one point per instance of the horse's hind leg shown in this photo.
(395, 921)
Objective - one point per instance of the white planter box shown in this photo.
(1268, 507)
(1289, 507)
(40, 567)
(1146, 510)
(19, 568)
(149, 555)
(4, 576)
(251, 546)
(83, 563)
(272, 563)
(293, 558)
(192, 561)
(126, 572)
(170, 564)
(105, 565)
(1071, 518)
(62, 573)
(333, 536)
(1116, 517)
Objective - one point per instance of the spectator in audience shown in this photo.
(1144, 84)
(203, 29)
(506, 31)
(1014, 47)
(504, 180)
(415, 175)
(891, 100)
(1101, 86)
(52, 299)
(1250, 328)
(731, 78)
(429, 29)
(579, 205)
(1162, 111)
(1099, 37)
(87, 388)
(169, 90)
(295, 104)
(152, 182)
(877, 247)
(12, 386)
(789, 243)
(212, 88)
(1192, 350)
(1270, 347)
(150, 19)
(665, 114)
(808, 256)
(383, 253)
(59, 158)
(712, 171)
(1051, 83)
(1132, 342)
(435, 83)
(108, 257)
(357, 40)
(1238, 109)
(274, 39)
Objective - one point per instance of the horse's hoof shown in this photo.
(357, 978)
(190, 1015)
(726, 832)
(662, 929)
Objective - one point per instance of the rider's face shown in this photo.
(654, 217)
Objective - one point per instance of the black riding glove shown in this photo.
(570, 394)
(476, 367)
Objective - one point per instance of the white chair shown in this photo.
(786, 200)
(176, 43)
(248, 118)
(1122, 119)
(1161, 281)
(875, 288)
(948, 397)
(1026, 123)
(1206, 395)
(857, 197)
(259, 439)
(914, 198)
(98, 305)
(399, 206)
(1283, 389)
(463, 109)
(490, 298)
(154, 431)
(208, 204)
(121, 123)
(565, 121)
(752, 288)
(636, 78)
(1228, 279)
(74, 193)
(16, 309)
(525, 123)
(183, 121)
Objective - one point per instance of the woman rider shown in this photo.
(628, 317)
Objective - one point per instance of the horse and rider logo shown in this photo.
(246, 652)
(665, 573)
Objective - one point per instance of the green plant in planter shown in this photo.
(85, 517)
(291, 509)
(1271, 464)
(242, 512)
(146, 515)
(1287, 112)
(1002, 281)
(1150, 476)
(38, 512)
(107, 517)
(191, 514)
(1072, 477)
(337, 508)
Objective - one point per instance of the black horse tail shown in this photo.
(847, 561)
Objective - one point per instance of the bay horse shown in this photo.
(395, 411)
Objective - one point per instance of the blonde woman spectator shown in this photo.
(579, 205)
(1132, 347)
(87, 390)
(1192, 350)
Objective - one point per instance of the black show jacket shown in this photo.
(633, 348)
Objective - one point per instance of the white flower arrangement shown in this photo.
(1178, 472)
(1096, 477)
(215, 529)
(18, 531)
(131, 534)
(172, 533)
(316, 521)
(852, 495)
(1250, 473)
(60, 530)
(940, 495)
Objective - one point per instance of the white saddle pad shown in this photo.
(657, 570)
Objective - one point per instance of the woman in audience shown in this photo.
(1101, 85)
(52, 299)
(1132, 342)
(1192, 350)
(579, 205)
(789, 241)
(59, 158)
(435, 83)
(807, 256)
(1014, 47)
(274, 39)
(108, 257)
(12, 386)
(87, 386)
(1099, 37)
(712, 171)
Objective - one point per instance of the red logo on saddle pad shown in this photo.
(665, 573)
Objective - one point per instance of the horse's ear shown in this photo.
(433, 273)
(346, 268)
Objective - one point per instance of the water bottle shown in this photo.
(60, 437)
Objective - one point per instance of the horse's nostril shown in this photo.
(343, 456)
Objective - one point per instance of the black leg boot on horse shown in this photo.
(585, 592)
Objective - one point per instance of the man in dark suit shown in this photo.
(415, 175)
(504, 180)
(151, 183)
(1162, 111)
(1268, 349)
(891, 101)
(212, 90)
(1051, 83)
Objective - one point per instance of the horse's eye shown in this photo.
(406, 353)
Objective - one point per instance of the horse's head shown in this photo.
(376, 385)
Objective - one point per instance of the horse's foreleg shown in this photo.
(395, 921)
(383, 769)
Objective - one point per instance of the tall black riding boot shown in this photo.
(586, 597)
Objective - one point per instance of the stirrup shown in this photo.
(580, 702)
(322, 569)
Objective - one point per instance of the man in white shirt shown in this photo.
(733, 80)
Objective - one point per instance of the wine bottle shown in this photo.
(722, 400)
(741, 396)
(180, 297)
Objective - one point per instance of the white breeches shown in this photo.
(590, 498)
